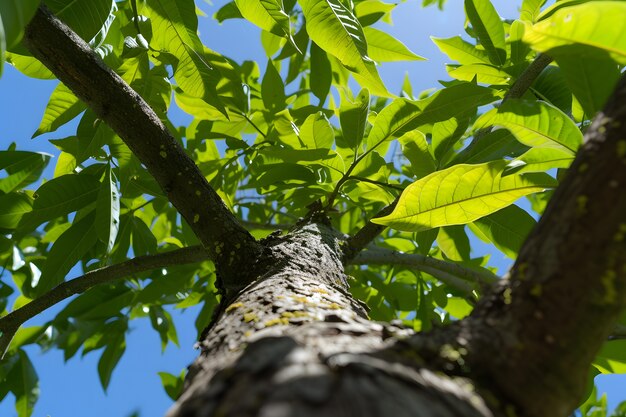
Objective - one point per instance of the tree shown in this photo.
(284, 329)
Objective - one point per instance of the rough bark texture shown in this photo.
(295, 343)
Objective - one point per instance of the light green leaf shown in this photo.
(316, 132)
(23, 168)
(535, 124)
(483, 73)
(68, 249)
(29, 66)
(85, 17)
(353, 118)
(336, 30)
(597, 24)
(14, 16)
(507, 229)
(24, 385)
(445, 134)
(415, 149)
(530, 10)
(383, 47)
(403, 115)
(590, 79)
(272, 89)
(612, 357)
(459, 50)
(61, 196)
(268, 15)
(227, 11)
(321, 73)
(550, 86)
(172, 384)
(459, 195)
(144, 242)
(25, 336)
(62, 107)
(488, 27)
(108, 210)
(540, 160)
(14, 207)
(454, 243)
(496, 145)
(116, 345)
(175, 27)
(370, 11)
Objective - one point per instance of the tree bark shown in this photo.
(295, 343)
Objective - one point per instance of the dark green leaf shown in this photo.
(488, 27)
(353, 118)
(13, 207)
(273, 89)
(85, 17)
(108, 210)
(116, 345)
(23, 168)
(321, 73)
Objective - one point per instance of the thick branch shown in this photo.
(357, 242)
(113, 101)
(528, 77)
(12, 321)
(568, 286)
(457, 276)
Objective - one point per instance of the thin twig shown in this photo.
(12, 321)
(455, 275)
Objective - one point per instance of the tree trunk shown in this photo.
(296, 343)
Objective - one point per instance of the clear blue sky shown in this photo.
(73, 389)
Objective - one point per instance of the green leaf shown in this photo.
(550, 86)
(459, 50)
(144, 242)
(454, 243)
(116, 345)
(507, 229)
(540, 160)
(13, 207)
(316, 132)
(495, 145)
(24, 383)
(536, 124)
(483, 73)
(61, 196)
(175, 27)
(403, 115)
(29, 66)
(370, 11)
(459, 195)
(268, 15)
(415, 149)
(612, 357)
(23, 168)
(445, 135)
(336, 30)
(273, 89)
(228, 11)
(85, 17)
(26, 336)
(321, 73)
(530, 10)
(62, 107)
(353, 118)
(98, 303)
(488, 27)
(68, 249)
(173, 384)
(590, 79)
(597, 24)
(14, 16)
(108, 210)
(383, 47)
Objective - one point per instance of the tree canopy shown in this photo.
(411, 179)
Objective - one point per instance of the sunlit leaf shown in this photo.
(536, 124)
(530, 10)
(14, 207)
(461, 51)
(23, 168)
(540, 160)
(459, 195)
(597, 24)
(488, 27)
(353, 118)
(316, 132)
(415, 149)
(483, 73)
(108, 210)
(172, 384)
(336, 30)
(85, 17)
(382, 47)
(14, 16)
(266, 14)
(62, 107)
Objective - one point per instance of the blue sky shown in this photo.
(72, 388)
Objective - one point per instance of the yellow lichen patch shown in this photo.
(294, 314)
(507, 296)
(196, 217)
(300, 299)
(233, 306)
(619, 235)
(248, 317)
(333, 306)
(320, 290)
(274, 322)
(163, 154)
(583, 167)
(536, 290)
(608, 282)
(581, 202)
(621, 148)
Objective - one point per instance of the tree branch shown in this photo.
(449, 273)
(12, 321)
(534, 337)
(120, 107)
